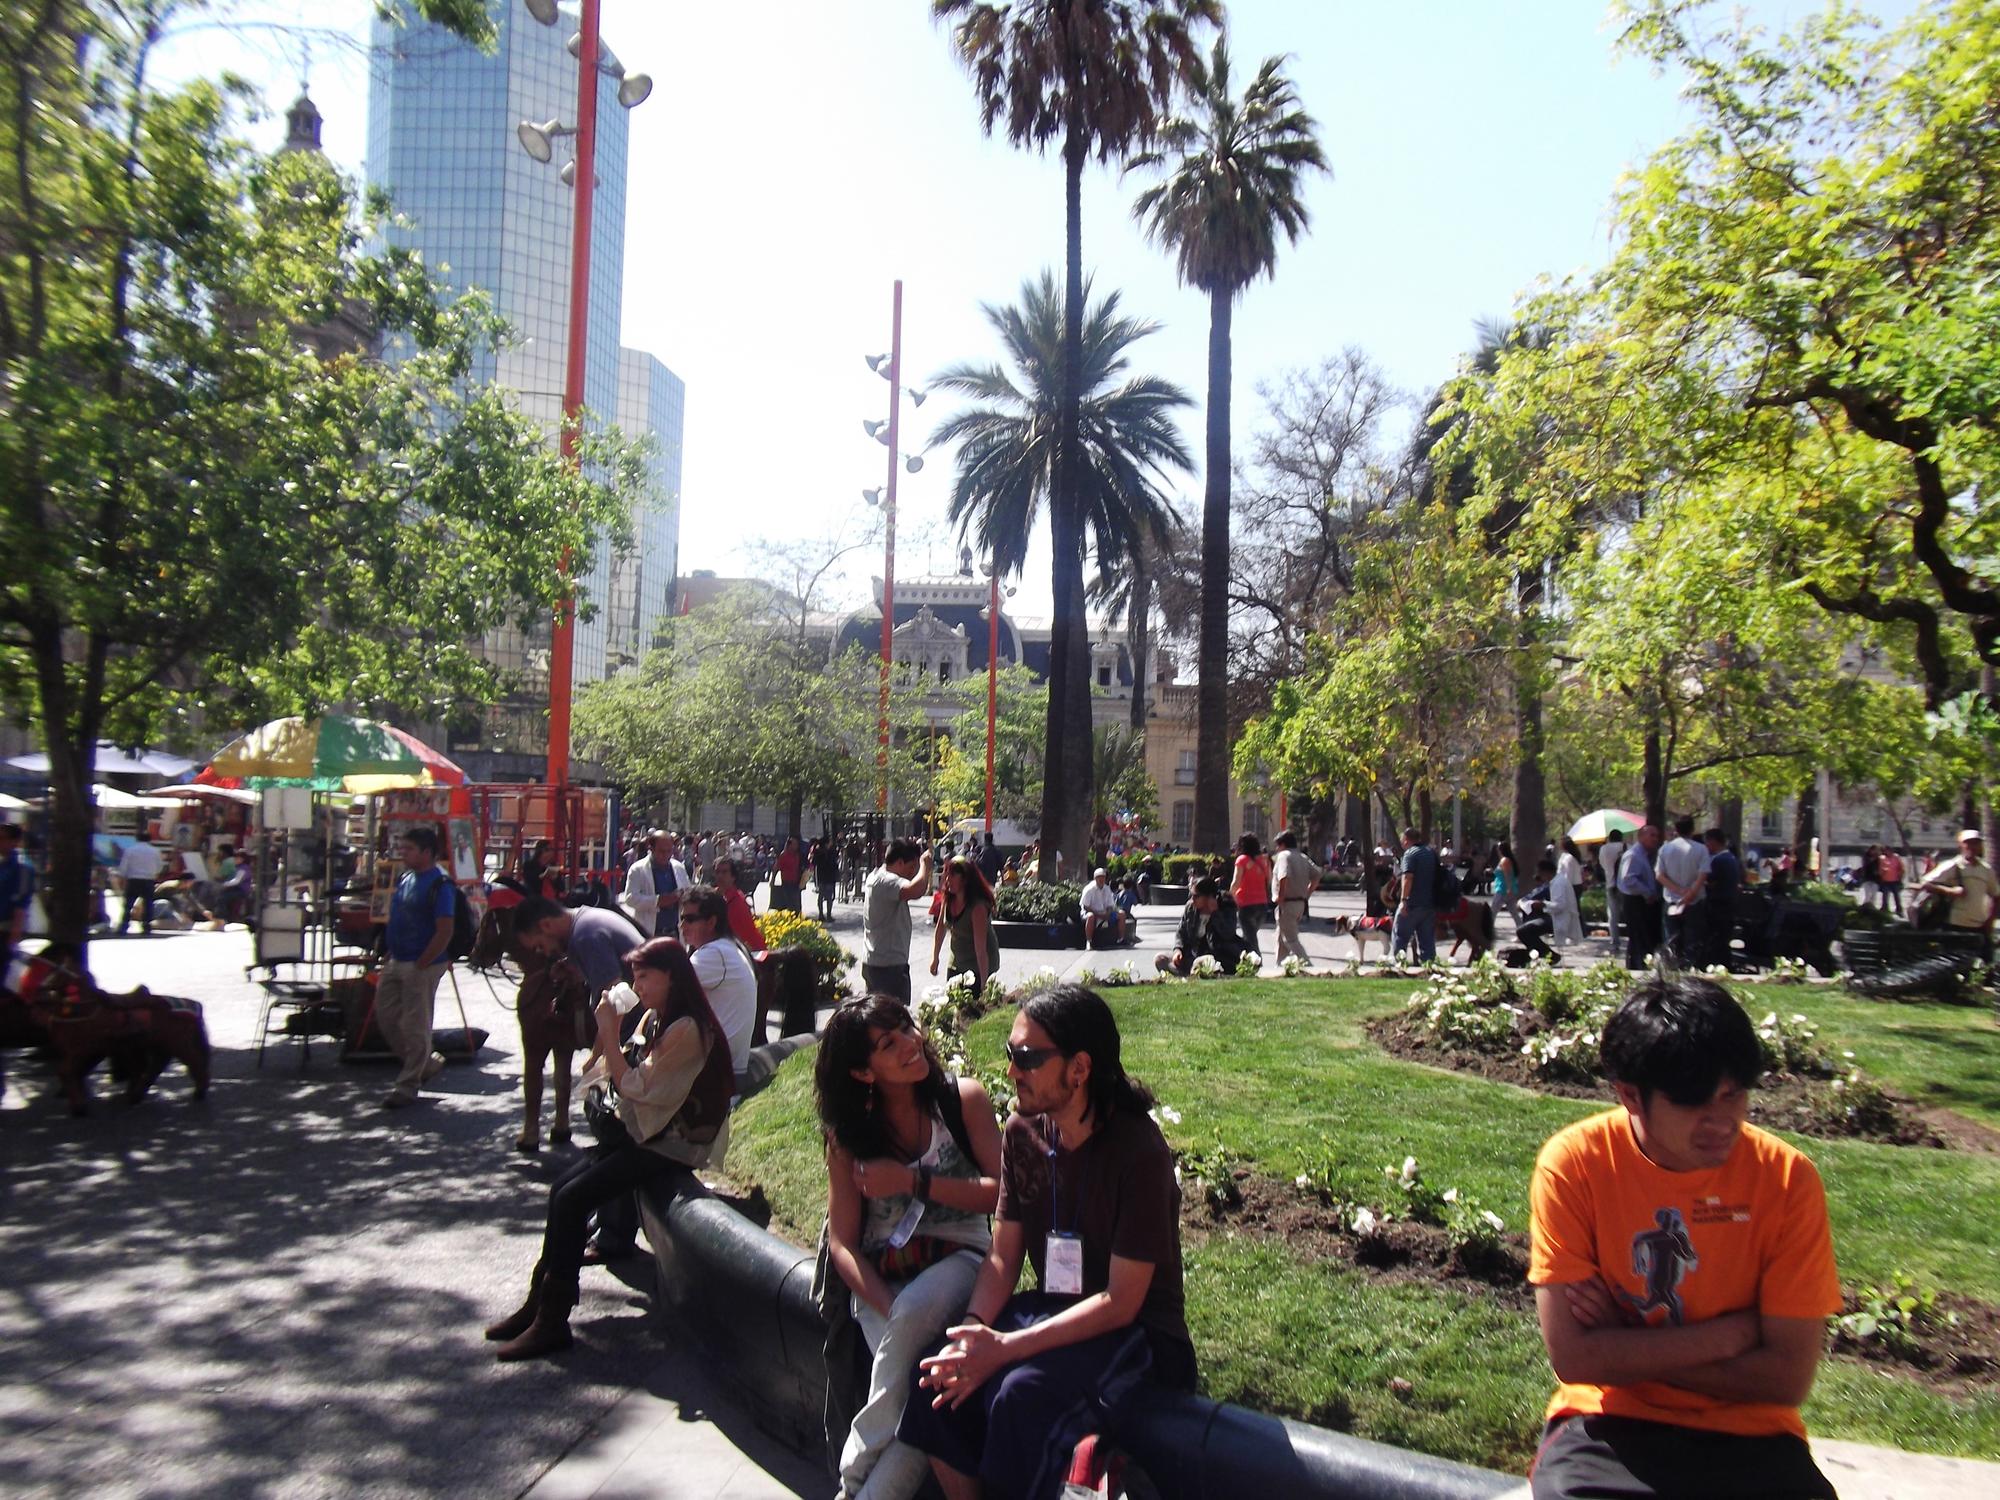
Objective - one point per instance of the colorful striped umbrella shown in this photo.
(333, 753)
(1595, 827)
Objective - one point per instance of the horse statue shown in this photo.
(551, 1008)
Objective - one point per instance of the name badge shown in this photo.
(1065, 1265)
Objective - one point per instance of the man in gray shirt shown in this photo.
(1416, 906)
(1681, 867)
(594, 940)
(905, 876)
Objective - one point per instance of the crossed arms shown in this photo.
(1744, 1356)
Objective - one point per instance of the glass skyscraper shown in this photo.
(442, 144)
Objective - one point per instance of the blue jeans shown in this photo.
(1416, 925)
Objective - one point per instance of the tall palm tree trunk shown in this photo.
(1211, 777)
(1139, 628)
(1067, 783)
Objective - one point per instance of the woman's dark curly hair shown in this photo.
(843, 1100)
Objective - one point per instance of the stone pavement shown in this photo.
(279, 1292)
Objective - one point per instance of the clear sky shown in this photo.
(797, 156)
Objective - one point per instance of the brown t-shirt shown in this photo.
(1116, 1190)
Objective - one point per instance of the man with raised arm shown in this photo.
(1683, 1269)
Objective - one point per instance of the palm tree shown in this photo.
(1006, 445)
(1234, 179)
(1095, 75)
(1129, 593)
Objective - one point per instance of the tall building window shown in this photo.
(1183, 821)
(1104, 677)
(1253, 819)
(1184, 771)
(1770, 822)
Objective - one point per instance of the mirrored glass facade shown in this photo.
(442, 143)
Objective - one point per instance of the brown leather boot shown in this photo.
(547, 1334)
(516, 1323)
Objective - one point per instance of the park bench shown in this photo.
(1896, 961)
(1773, 929)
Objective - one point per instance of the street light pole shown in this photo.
(992, 687)
(562, 644)
(889, 554)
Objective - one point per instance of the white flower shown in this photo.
(1364, 1221)
(1409, 1171)
(1302, 1181)
(1493, 1219)
(1770, 1019)
(1451, 1195)
(1173, 1116)
(1046, 971)
(1848, 1055)
(1798, 1020)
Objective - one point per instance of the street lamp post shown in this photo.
(537, 140)
(889, 556)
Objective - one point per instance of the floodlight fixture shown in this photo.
(538, 139)
(543, 10)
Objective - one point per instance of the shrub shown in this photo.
(1034, 901)
(1473, 1229)
(1854, 1105)
(1212, 1169)
(1186, 869)
(1894, 1316)
(787, 931)
(1412, 1197)
(1790, 1045)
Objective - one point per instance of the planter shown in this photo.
(1168, 895)
(1037, 934)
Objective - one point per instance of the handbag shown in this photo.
(600, 1106)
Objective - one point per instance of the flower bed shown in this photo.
(1540, 1027)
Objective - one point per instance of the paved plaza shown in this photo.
(280, 1291)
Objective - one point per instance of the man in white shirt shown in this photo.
(723, 967)
(1608, 858)
(654, 887)
(1100, 910)
(1297, 878)
(139, 869)
(1681, 867)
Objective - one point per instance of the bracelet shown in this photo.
(923, 1191)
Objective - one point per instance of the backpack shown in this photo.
(1446, 891)
(464, 931)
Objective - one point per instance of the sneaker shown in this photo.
(434, 1067)
(396, 1099)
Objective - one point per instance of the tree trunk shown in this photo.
(1654, 779)
(1731, 821)
(1211, 777)
(1067, 784)
(1530, 826)
(1805, 819)
(1139, 628)
(1425, 813)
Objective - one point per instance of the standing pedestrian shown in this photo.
(1608, 859)
(653, 887)
(139, 868)
(1297, 878)
(17, 894)
(1890, 872)
(1725, 879)
(904, 876)
(826, 874)
(1681, 868)
(1416, 900)
(1640, 909)
(1970, 882)
(416, 939)
(1507, 883)
(1250, 889)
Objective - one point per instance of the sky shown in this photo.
(797, 157)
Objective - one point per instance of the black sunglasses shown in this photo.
(1027, 1059)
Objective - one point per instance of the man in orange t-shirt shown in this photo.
(1683, 1269)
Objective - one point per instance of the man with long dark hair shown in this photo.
(1088, 1197)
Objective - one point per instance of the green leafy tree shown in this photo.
(207, 516)
(1095, 77)
(1403, 698)
(1122, 781)
(1021, 724)
(1234, 183)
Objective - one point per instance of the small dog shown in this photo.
(1364, 930)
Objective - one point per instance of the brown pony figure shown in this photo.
(549, 1006)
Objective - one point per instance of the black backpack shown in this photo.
(1446, 891)
(464, 930)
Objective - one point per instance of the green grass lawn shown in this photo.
(1282, 1072)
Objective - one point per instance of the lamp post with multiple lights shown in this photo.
(890, 367)
(992, 679)
(538, 140)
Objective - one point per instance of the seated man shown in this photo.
(1101, 915)
(1088, 1197)
(1206, 930)
(1129, 902)
(1683, 1269)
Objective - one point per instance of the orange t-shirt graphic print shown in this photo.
(1681, 1247)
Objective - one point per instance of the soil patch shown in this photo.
(1398, 1251)
(1954, 1349)
(1964, 1134)
(1958, 1350)
(1781, 1101)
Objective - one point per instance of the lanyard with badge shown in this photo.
(906, 1227)
(1064, 1260)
